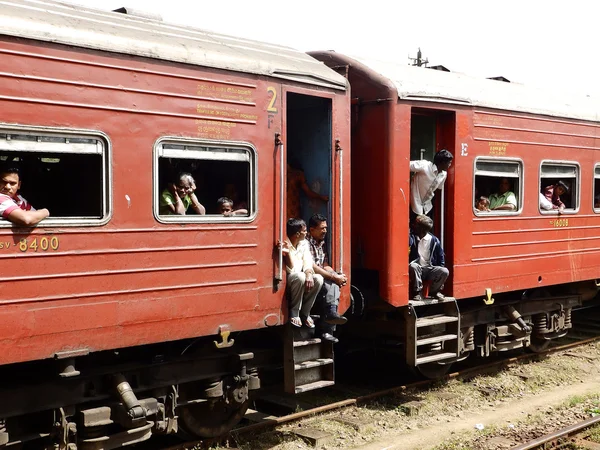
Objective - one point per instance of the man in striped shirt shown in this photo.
(14, 207)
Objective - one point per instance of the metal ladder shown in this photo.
(308, 361)
(432, 331)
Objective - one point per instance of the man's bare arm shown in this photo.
(28, 218)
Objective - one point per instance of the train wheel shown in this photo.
(433, 371)
(538, 344)
(215, 416)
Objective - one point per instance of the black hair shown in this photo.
(293, 226)
(424, 222)
(223, 200)
(315, 220)
(6, 168)
(443, 156)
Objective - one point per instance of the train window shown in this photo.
(559, 187)
(500, 182)
(597, 189)
(215, 181)
(65, 171)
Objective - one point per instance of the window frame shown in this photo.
(553, 212)
(596, 210)
(106, 154)
(209, 218)
(519, 195)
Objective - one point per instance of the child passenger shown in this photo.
(225, 206)
(482, 204)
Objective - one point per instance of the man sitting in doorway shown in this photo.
(427, 259)
(303, 284)
(429, 177)
(553, 193)
(179, 196)
(329, 296)
(225, 206)
(13, 206)
(505, 199)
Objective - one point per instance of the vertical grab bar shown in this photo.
(339, 152)
(442, 215)
(279, 143)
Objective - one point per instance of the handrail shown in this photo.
(279, 143)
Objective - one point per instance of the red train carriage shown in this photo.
(115, 315)
(503, 265)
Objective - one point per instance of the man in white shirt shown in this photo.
(303, 284)
(13, 206)
(429, 176)
(427, 259)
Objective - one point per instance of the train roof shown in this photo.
(422, 84)
(121, 33)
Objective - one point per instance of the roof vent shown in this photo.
(506, 80)
(139, 13)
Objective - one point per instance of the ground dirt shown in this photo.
(519, 403)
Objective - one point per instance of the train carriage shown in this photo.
(117, 318)
(514, 275)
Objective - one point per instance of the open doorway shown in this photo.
(431, 131)
(309, 138)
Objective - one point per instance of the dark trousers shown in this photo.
(436, 274)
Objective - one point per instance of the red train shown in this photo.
(120, 322)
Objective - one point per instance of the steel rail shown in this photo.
(567, 431)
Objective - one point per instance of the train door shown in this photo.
(308, 141)
(430, 132)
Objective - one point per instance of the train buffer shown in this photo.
(308, 361)
(432, 331)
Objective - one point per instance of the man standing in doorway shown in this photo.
(429, 176)
(329, 296)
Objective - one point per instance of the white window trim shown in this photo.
(594, 193)
(104, 150)
(209, 218)
(554, 212)
(521, 179)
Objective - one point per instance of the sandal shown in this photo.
(295, 321)
(309, 322)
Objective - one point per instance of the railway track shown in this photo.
(586, 331)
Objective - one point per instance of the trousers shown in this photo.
(300, 300)
(327, 302)
(436, 274)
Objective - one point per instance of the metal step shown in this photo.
(435, 357)
(430, 301)
(313, 363)
(434, 339)
(435, 320)
(307, 342)
(313, 385)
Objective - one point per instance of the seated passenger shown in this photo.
(429, 176)
(505, 199)
(13, 206)
(553, 193)
(329, 296)
(545, 204)
(231, 192)
(225, 206)
(597, 201)
(427, 259)
(483, 204)
(303, 284)
(179, 196)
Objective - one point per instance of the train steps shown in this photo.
(432, 331)
(308, 361)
